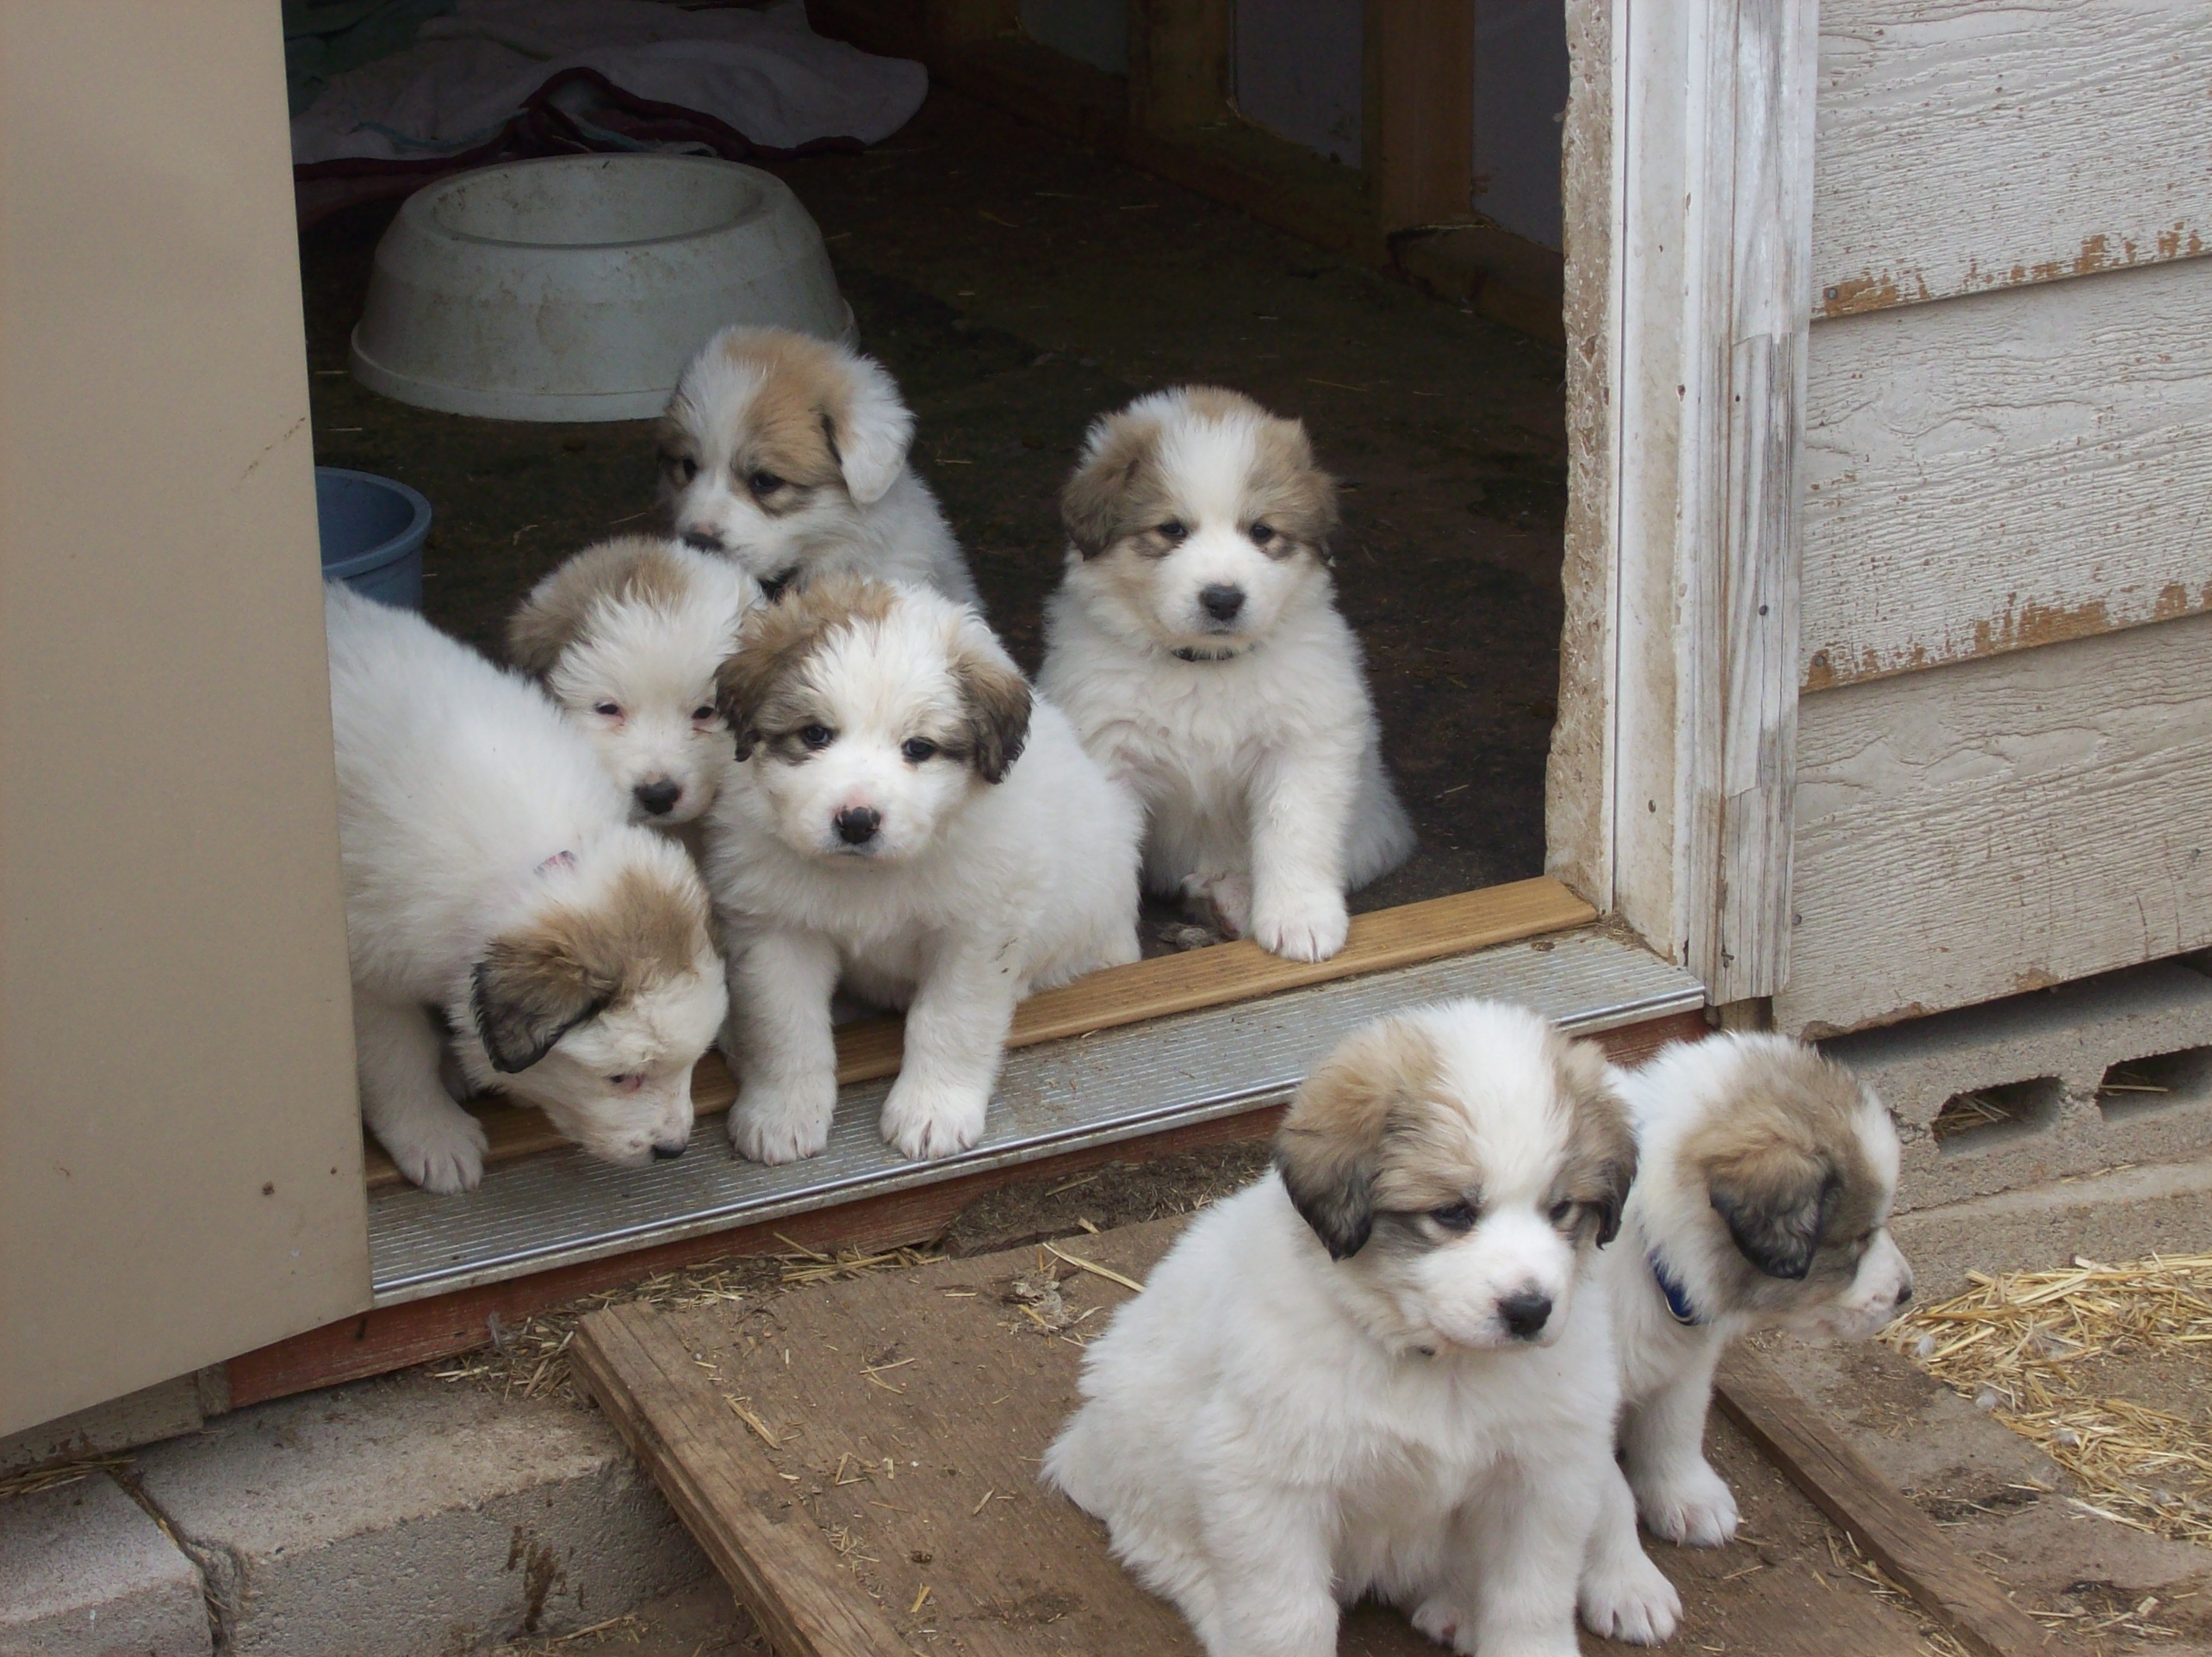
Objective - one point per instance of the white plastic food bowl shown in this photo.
(577, 287)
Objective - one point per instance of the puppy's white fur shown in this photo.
(1763, 1193)
(1319, 1395)
(997, 857)
(627, 637)
(491, 875)
(1249, 735)
(789, 455)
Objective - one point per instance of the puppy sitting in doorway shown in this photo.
(494, 881)
(1387, 1368)
(1196, 644)
(628, 636)
(1763, 1201)
(788, 455)
(904, 818)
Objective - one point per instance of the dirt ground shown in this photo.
(1018, 286)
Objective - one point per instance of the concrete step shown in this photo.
(86, 1572)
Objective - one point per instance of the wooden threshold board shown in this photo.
(1117, 996)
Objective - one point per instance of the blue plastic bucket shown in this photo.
(372, 532)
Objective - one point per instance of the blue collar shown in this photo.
(1678, 1298)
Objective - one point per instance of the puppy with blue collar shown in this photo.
(1766, 1173)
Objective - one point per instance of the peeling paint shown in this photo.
(2022, 627)
(1882, 290)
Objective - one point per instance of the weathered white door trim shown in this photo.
(1697, 346)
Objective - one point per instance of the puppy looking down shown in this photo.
(1195, 642)
(1387, 1368)
(1763, 1201)
(788, 455)
(627, 636)
(905, 818)
(493, 881)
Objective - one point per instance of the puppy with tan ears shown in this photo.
(788, 455)
(628, 636)
(1196, 644)
(1763, 1202)
(906, 819)
(1387, 1368)
(494, 881)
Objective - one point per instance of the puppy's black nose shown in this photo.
(703, 540)
(1525, 1313)
(667, 1153)
(1222, 601)
(857, 824)
(658, 796)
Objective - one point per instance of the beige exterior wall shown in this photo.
(180, 1154)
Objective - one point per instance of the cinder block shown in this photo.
(2065, 1038)
(397, 1517)
(85, 1573)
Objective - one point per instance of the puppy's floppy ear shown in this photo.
(996, 698)
(528, 992)
(1329, 1149)
(1095, 505)
(1601, 1164)
(1776, 1199)
(870, 434)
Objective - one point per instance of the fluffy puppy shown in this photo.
(627, 636)
(788, 455)
(493, 881)
(903, 817)
(1196, 644)
(1384, 1370)
(1767, 1176)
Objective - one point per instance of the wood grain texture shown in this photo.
(777, 1563)
(1964, 1600)
(1179, 59)
(2009, 471)
(1412, 932)
(2000, 825)
(1418, 111)
(1965, 146)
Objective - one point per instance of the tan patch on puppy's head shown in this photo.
(759, 690)
(535, 985)
(1783, 1162)
(628, 569)
(1333, 1149)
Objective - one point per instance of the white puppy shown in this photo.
(1196, 645)
(904, 818)
(1763, 1201)
(492, 880)
(788, 454)
(1385, 1371)
(627, 636)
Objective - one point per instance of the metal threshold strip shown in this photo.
(561, 1208)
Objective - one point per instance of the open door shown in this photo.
(180, 1150)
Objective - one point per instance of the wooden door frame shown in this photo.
(1688, 172)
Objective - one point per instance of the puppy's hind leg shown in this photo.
(1662, 1442)
(432, 1140)
(1272, 1589)
(1515, 1578)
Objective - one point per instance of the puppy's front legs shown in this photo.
(779, 1040)
(432, 1140)
(1512, 1593)
(956, 1033)
(1302, 802)
(1624, 1595)
(1272, 1588)
(1663, 1443)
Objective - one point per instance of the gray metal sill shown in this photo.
(561, 1208)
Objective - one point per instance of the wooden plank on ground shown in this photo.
(2000, 825)
(2007, 471)
(1188, 982)
(903, 1414)
(1904, 1541)
(783, 1571)
(1965, 146)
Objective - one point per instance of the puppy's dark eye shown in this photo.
(763, 482)
(703, 712)
(1454, 1217)
(1561, 1211)
(1173, 531)
(916, 749)
(1261, 534)
(681, 467)
(608, 710)
(817, 736)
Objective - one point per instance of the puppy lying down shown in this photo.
(1385, 1369)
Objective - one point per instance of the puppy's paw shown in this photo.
(1694, 1507)
(922, 1121)
(783, 1123)
(1630, 1599)
(1220, 898)
(444, 1154)
(1445, 1621)
(1309, 927)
